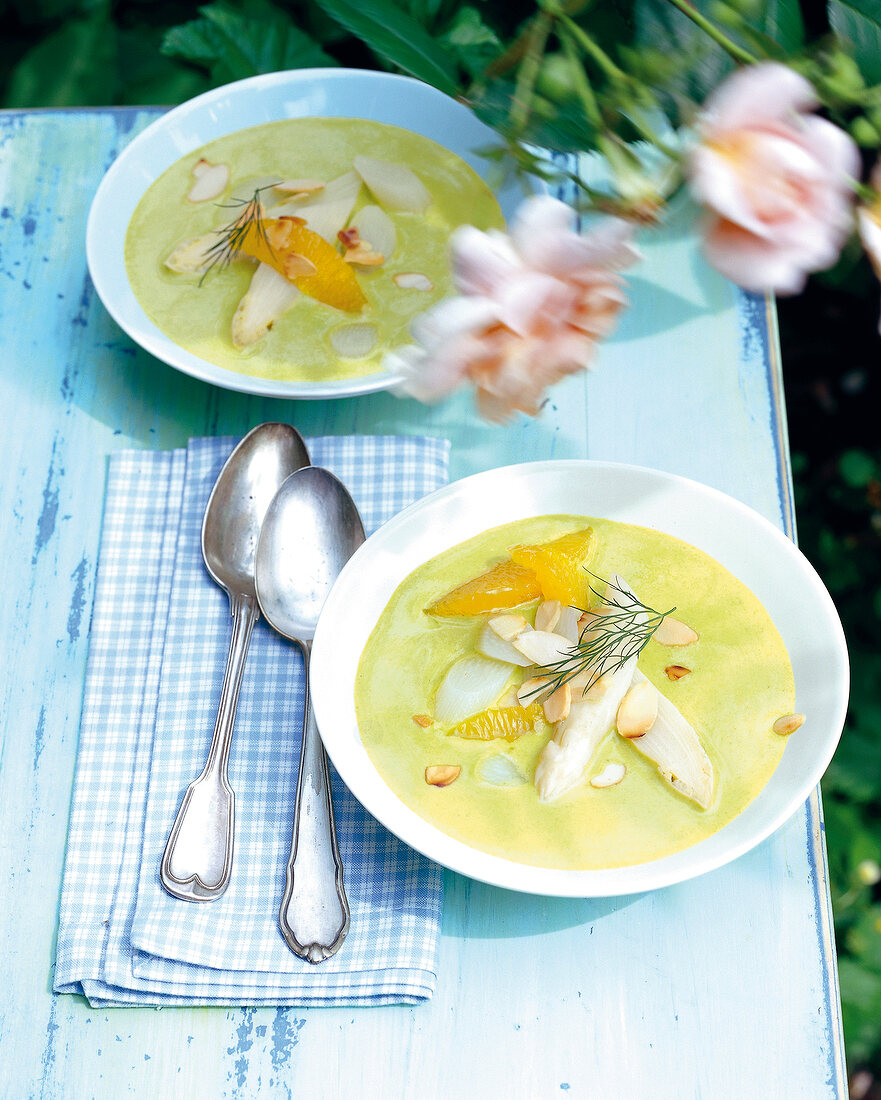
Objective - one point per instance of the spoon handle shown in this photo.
(197, 862)
(314, 915)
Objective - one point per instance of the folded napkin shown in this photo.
(159, 638)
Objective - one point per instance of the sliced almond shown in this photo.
(354, 341)
(548, 614)
(530, 690)
(423, 720)
(278, 233)
(211, 181)
(296, 265)
(327, 211)
(609, 776)
(413, 280)
(788, 724)
(363, 255)
(638, 710)
(676, 672)
(556, 706)
(442, 775)
(674, 633)
(299, 187)
(508, 627)
(350, 237)
(542, 647)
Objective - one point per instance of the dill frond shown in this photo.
(614, 634)
(232, 236)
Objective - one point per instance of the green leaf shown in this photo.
(397, 38)
(859, 22)
(74, 65)
(471, 41)
(782, 21)
(232, 45)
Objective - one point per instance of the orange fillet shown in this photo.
(505, 585)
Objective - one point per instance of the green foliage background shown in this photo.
(62, 53)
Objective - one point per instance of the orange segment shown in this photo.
(560, 566)
(276, 241)
(505, 585)
(507, 722)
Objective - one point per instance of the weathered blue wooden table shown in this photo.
(724, 987)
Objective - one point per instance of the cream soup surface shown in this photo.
(297, 347)
(741, 682)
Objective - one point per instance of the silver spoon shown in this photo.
(197, 862)
(311, 530)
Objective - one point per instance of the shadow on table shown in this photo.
(490, 912)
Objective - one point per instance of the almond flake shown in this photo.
(788, 724)
(423, 720)
(556, 706)
(441, 775)
(211, 181)
(609, 776)
(508, 627)
(349, 238)
(530, 690)
(638, 710)
(672, 632)
(296, 266)
(413, 280)
(676, 672)
(363, 254)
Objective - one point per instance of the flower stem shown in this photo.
(582, 84)
(731, 48)
(527, 73)
(590, 47)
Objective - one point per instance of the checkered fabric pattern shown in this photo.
(158, 645)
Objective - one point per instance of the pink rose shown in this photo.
(531, 309)
(776, 180)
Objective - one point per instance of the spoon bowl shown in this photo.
(310, 531)
(197, 862)
(240, 499)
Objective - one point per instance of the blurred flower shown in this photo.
(869, 224)
(775, 180)
(531, 308)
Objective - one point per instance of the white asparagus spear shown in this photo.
(577, 737)
(266, 299)
(672, 744)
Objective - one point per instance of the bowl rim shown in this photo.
(331, 700)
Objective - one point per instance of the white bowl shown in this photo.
(348, 93)
(744, 542)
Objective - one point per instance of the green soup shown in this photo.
(197, 313)
(740, 682)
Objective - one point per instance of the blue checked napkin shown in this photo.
(159, 637)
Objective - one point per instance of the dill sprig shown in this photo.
(232, 236)
(613, 635)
